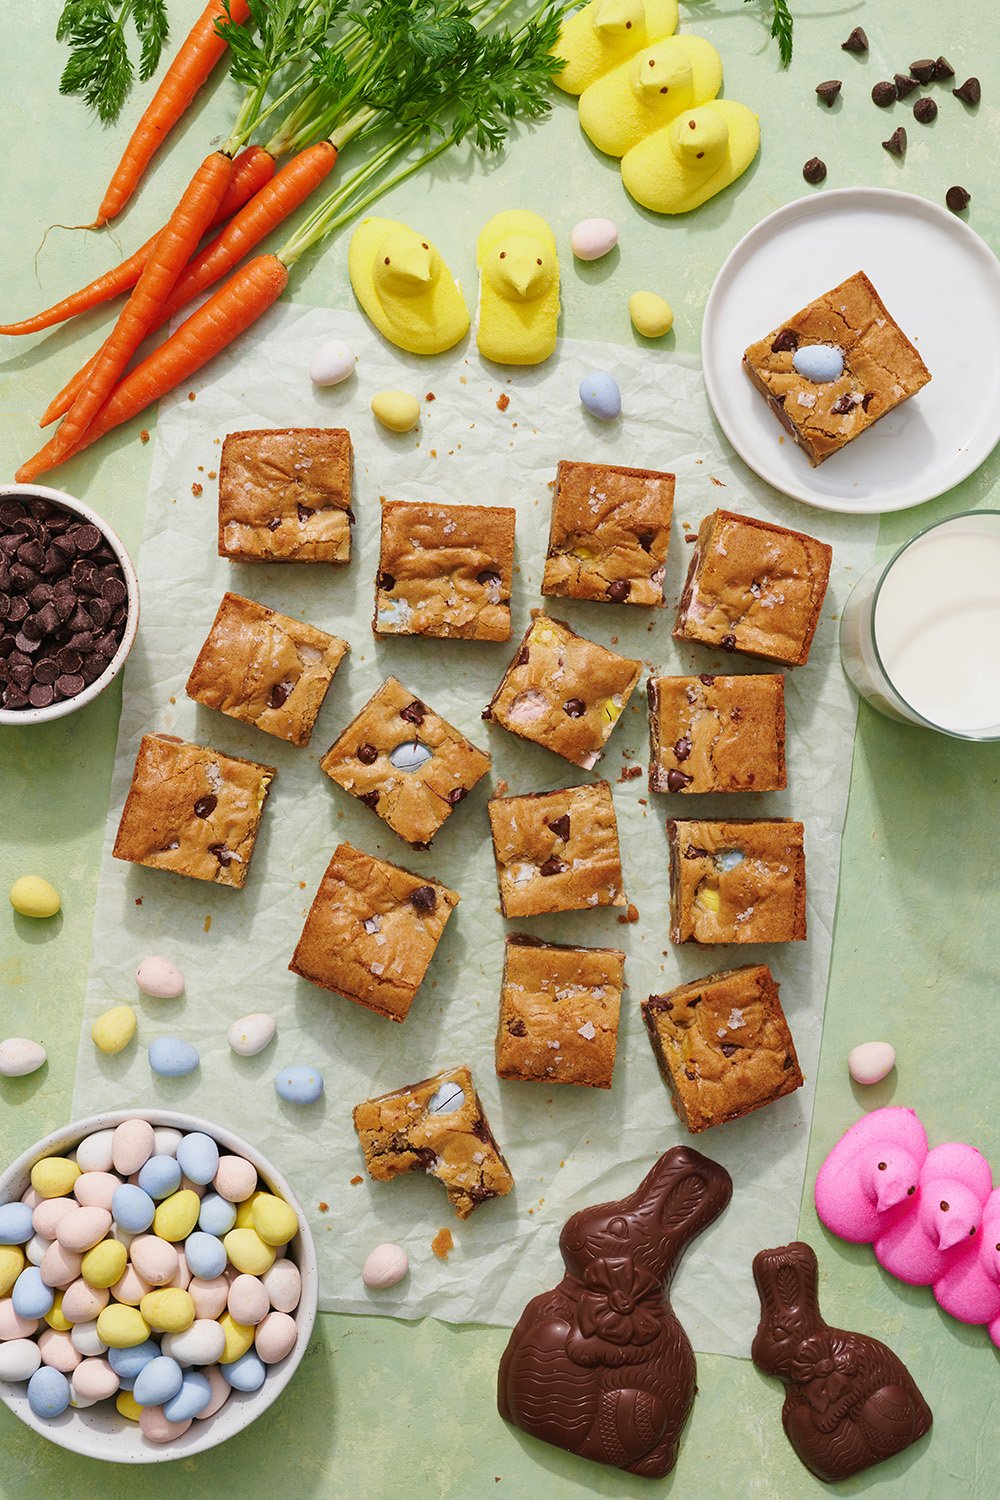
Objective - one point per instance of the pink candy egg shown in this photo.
(57, 1350)
(131, 1288)
(132, 1146)
(94, 1380)
(209, 1297)
(59, 1266)
(236, 1179)
(157, 1429)
(221, 1392)
(82, 1229)
(283, 1285)
(32, 1197)
(248, 1300)
(82, 1303)
(155, 1260)
(200, 1188)
(275, 1337)
(12, 1325)
(47, 1216)
(182, 1276)
(96, 1189)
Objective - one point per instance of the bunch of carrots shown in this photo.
(397, 77)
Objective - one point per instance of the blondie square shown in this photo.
(192, 810)
(445, 570)
(737, 882)
(285, 495)
(754, 587)
(563, 691)
(557, 851)
(405, 762)
(559, 1013)
(831, 371)
(371, 931)
(436, 1126)
(265, 668)
(717, 734)
(609, 535)
(723, 1045)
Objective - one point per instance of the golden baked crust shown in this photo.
(398, 1133)
(723, 1045)
(563, 691)
(609, 534)
(559, 1013)
(285, 495)
(265, 668)
(716, 897)
(557, 851)
(881, 368)
(445, 570)
(371, 931)
(754, 587)
(192, 810)
(717, 734)
(413, 803)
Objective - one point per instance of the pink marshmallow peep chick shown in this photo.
(969, 1289)
(918, 1246)
(872, 1170)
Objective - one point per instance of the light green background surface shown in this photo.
(385, 1409)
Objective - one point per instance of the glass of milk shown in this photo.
(920, 636)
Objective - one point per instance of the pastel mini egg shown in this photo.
(198, 1157)
(122, 1327)
(819, 363)
(592, 238)
(13, 1325)
(154, 1258)
(46, 1217)
(130, 1288)
(127, 1406)
(16, 1224)
(158, 1381)
(182, 1276)
(283, 1284)
(30, 1197)
(86, 1340)
(59, 1266)
(20, 1056)
(113, 1029)
(36, 1247)
(385, 1266)
(446, 1099)
(601, 396)
(221, 1391)
(160, 1176)
(167, 1310)
(31, 1297)
(34, 897)
(105, 1264)
(12, 1261)
(157, 1428)
(239, 1338)
(236, 1179)
(132, 1209)
(275, 1337)
(159, 979)
(54, 1176)
(96, 1189)
(56, 1348)
(129, 1359)
(205, 1254)
(84, 1228)
(217, 1215)
(244, 1212)
(397, 410)
(177, 1215)
(54, 1317)
(299, 1084)
(871, 1062)
(410, 756)
(274, 1220)
(246, 1373)
(93, 1154)
(192, 1398)
(82, 1303)
(209, 1297)
(198, 1188)
(48, 1393)
(94, 1380)
(248, 1252)
(19, 1359)
(132, 1146)
(201, 1344)
(248, 1300)
(166, 1140)
(652, 316)
(172, 1057)
(251, 1034)
(333, 362)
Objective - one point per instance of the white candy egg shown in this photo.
(332, 363)
(19, 1056)
(94, 1152)
(871, 1062)
(86, 1340)
(159, 978)
(386, 1265)
(19, 1359)
(251, 1034)
(592, 238)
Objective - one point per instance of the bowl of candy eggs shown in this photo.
(158, 1286)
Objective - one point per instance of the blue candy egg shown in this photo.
(410, 756)
(160, 1177)
(819, 363)
(198, 1156)
(299, 1084)
(194, 1395)
(171, 1057)
(217, 1216)
(127, 1363)
(205, 1255)
(600, 395)
(157, 1382)
(246, 1373)
(131, 1208)
(16, 1227)
(30, 1296)
(48, 1392)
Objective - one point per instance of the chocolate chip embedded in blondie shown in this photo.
(717, 734)
(754, 587)
(563, 691)
(445, 570)
(405, 762)
(559, 1013)
(740, 881)
(835, 368)
(609, 535)
(436, 1126)
(371, 931)
(557, 851)
(265, 668)
(723, 1045)
(285, 495)
(192, 810)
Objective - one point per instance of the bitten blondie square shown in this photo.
(717, 734)
(192, 810)
(557, 851)
(559, 1013)
(835, 368)
(737, 882)
(285, 495)
(609, 535)
(723, 1045)
(445, 570)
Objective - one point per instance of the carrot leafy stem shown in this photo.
(100, 67)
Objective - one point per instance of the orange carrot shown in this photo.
(251, 169)
(190, 68)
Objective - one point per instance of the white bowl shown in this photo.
(98, 1431)
(20, 716)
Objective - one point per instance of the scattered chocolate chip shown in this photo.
(856, 42)
(205, 806)
(884, 94)
(222, 854)
(560, 827)
(278, 695)
(957, 199)
(787, 1062)
(489, 576)
(552, 866)
(867, 399)
(386, 582)
(925, 110)
(922, 70)
(274, 523)
(516, 1027)
(457, 794)
(728, 643)
(896, 144)
(645, 539)
(694, 852)
(370, 799)
(367, 754)
(904, 84)
(677, 781)
(829, 90)
(423, 898)
(785, 341)
(413, 713)
(728, 1048)
(814, 170)
(521, 659)
(619, 591)
(970, 92)
(575, 707)
(943, 69)
(682, 747)
(304, 513)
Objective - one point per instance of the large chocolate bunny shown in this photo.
(600, 1365)
(850, 1402)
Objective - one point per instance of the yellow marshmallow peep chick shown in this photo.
(518, 289)
(648, 91)
(687, 162)
(604, 33)
(405, 287)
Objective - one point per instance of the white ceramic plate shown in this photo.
(941, 283)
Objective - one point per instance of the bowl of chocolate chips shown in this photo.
(69, 604)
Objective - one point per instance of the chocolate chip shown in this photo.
(904, 84)
(957, 199)
(923, 69)
(619, 591)
(304, 513)
(14, 698)
(457, 794)
(896, 144)
(87, 538)
(386, 582)
(694, 852)
(489, 575)
(728, 643)
(516, 1027)
(69, 660)
(575, 707)
(413, 713)
(677, 781)
(41, 694)
(785, 341)
(856, 42)
(867, 399)
(205, 806)
(94, 667)
(278, 695)
(787, 1062)
(25, 643)
(69, 684)
(423, 898)
(367, 754)
(682, 747)
(728, 1048)
(925, 110)
(114, 591)
(222, 854)
(844, 404)
(829, 90)
(706, 678)
(943, 69)
(46, 670)
(645, 539)
(970, 92)
(274, 523)
(560, 827)
(32, 554)
(10, 511)
(552, 866)
(370, 799)
(884, 94)
(814, 170)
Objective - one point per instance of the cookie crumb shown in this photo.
(503, 401)
(629, 773)
(144, 436)
(206, 926)
(324, 1208)
(442, 1244)
(197, 489)
(356, 1180)
(630, 914)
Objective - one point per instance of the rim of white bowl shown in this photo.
(20, 716)
(72, 1430)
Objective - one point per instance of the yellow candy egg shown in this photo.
(273, 1219)
(248, 1252)
(239, 1338)
(244, 1211)
(168, 1310)
(122, 1327)
(54, 1176)
(104, 1265)
(11, 1266)
(651, 315)
(397, 410)
(127, 1406)
(113, 1030)
(177, 1215)
(34, 897)
(54, 1316)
